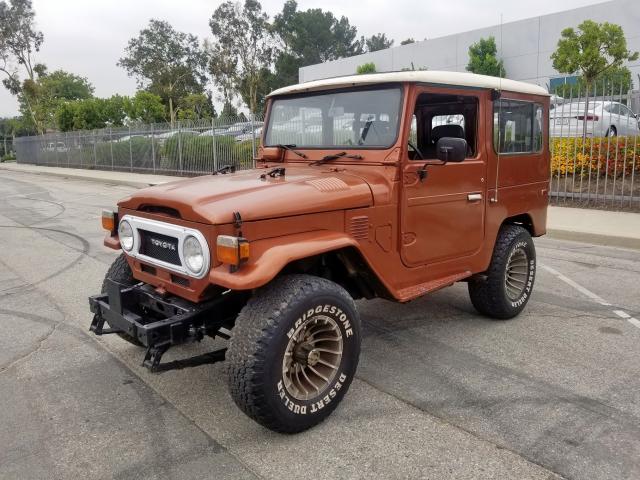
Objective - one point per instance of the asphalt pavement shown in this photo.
(440, 393)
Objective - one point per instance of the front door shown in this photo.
(443, 212)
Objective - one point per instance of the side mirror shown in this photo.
(451, 149)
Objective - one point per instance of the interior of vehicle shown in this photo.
(440, 115)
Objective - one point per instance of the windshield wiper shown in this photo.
(291, 147)
(335, 156)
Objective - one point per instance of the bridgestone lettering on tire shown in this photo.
(294, 352)
(120, 272)
(508, 284)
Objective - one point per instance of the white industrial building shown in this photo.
(524, 45)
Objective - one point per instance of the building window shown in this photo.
(517, 126)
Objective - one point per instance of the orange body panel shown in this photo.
(414, 236)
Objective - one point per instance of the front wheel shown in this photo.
(506, 287)
(294, 352)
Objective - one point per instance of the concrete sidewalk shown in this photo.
(619, 229)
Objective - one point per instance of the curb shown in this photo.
(90, 178)
(595, 238)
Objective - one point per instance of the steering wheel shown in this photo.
(415, 149)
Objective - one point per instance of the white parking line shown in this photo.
(633, 321)
(577, 286)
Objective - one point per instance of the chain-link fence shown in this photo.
(186, 148)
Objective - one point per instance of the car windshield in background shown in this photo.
(346, 119)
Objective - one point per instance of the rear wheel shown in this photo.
(507, 285)
(612, 131)
(121, 273)
(294, 352)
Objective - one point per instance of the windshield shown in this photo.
(346, 119)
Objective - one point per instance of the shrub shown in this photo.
(8, 157)
(581, 156)
(197, 153)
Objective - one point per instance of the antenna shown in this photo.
(498, 150)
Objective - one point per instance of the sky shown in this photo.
(87, 37)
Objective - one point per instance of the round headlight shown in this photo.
(193, 254)
(125, 233)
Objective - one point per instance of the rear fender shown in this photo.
(269, 256)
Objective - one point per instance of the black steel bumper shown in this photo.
(156, 321)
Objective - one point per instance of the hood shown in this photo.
(212, 199)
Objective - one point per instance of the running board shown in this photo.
(415, 291)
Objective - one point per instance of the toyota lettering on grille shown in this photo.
(163, 244)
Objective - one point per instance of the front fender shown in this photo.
(269, 256)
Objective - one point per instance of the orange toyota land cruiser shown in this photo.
(387, 185)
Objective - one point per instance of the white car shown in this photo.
(602, 119)
(250, 136)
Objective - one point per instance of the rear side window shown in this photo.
(517, 126)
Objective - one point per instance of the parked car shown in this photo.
(127, 138)
(596, 119)
(55, 147)
(163, 137)
(273, 258)
(214, 132)
(250, 135)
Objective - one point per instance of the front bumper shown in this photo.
(156, 321)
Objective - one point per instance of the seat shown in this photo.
(449, 130)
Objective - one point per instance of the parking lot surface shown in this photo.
(440, 392)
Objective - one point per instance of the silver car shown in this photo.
(601, 118)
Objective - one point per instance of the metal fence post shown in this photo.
(180, 165)
(153, 149)
(95, 149)
(213, 142)
(66, 141)
(130, 151)
(253, 141)
(111, 145)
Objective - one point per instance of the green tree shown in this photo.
(309, 37)
(19, 41)
(223, 67)
(591, 50)
(611, 82)
(145, 107)
(196, 106)
(243, 32)
(366, 68)
(49, 90)
(407, 41)
(166, 62)
(483, 58)
(377, 42)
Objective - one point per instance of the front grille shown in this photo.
(159, 246)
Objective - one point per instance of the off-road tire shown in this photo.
(120, 272)
(255, 359)
(489, 294)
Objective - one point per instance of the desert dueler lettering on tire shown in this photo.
(506, 287)
(294, 352)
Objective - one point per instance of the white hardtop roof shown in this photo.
(458, 79)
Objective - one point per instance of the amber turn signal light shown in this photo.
(109, 220)
(232, 250)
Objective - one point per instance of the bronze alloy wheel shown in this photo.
(312, 357)
(517, 275)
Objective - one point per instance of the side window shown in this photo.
(517, 126)
(440, 115)
(624, 111)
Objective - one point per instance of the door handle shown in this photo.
(474, 197)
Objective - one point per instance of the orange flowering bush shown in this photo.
(581, 156)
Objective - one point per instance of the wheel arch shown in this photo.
(332, 255)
